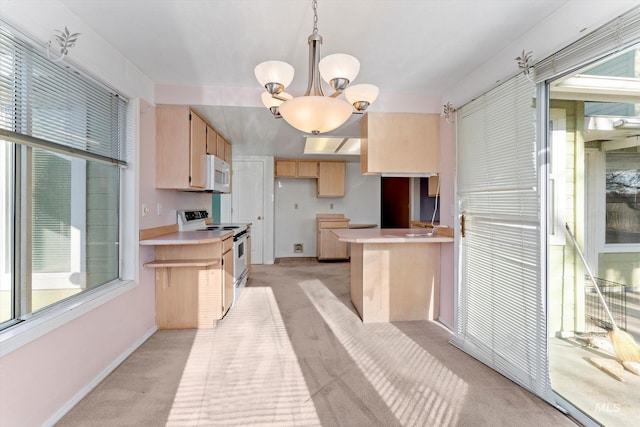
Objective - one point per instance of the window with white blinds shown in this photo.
(500, 313)
(62, 136)
(615, 36)
(54, 107)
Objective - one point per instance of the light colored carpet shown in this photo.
(292, 352)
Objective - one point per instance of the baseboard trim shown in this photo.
(57, 416)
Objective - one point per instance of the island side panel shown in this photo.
(356, 276)
(400, 282)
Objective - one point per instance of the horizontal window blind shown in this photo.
(47, 105)
(500, 315)
(615, 36)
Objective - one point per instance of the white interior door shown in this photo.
(248, 195)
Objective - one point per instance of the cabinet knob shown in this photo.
(259, 217)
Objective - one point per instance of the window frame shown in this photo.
(19, 331)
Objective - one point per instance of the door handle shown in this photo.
(462, 224)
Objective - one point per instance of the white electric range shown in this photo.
(196, 220)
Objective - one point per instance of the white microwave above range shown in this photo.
(218, 175)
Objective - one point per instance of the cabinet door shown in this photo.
(432, 186)
(400, 143)
(307, 169)
(198, 150)
(331, 177)
(176, 298)
(173, 129)
(286, 168)
(227, 281)
(220, 147)
(227, 151)
(212, 141)
(330, 246)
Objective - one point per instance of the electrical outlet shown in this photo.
(159, 209)
(297, 248)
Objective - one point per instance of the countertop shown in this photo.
(388, 235)
(188, 238)
(363, 225)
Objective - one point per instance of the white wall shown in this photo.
(361, 204)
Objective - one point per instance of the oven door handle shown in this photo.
(240, 235)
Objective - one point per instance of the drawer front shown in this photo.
(227, 244)
(334, 224)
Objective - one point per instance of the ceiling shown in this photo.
(408, 48)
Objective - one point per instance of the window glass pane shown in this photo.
(102, 223)
(74, 226)
(623, 198)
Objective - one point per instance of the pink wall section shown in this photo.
(447, 200)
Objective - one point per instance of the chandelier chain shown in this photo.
(314, 4)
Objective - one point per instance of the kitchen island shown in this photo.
(395, 273)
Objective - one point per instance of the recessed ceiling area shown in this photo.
(332, 145)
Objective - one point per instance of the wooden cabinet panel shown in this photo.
(307, 169)
(176, 298)
(331, 177)
(193, 291)
(328, 247)
(399, 143)
(212, 141)
(198, 148)
(227, 151)
(331, 247)
(181, 141)
(172, 147)
(220, 147)
(433, 186)
(286, 168)
(228, 287)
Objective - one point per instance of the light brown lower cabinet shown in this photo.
(191, 291)
(328, 245)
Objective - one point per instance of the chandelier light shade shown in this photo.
(274, 75)
(272, 103)
(314, 112)
(339, 70)
(361, 96)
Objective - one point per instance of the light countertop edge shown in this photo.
(188, 238)
(388, 235)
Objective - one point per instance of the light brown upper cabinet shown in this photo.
(221, 147)
(330, 174)
(331, 177)
(212, 141)
(400, 143)
(307, 169)
(286, 168)
(181, 146)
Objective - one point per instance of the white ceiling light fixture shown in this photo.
(314, 112)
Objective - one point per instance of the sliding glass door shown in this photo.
(594, 188)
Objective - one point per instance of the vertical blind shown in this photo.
(47, 105)
(500, 313)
